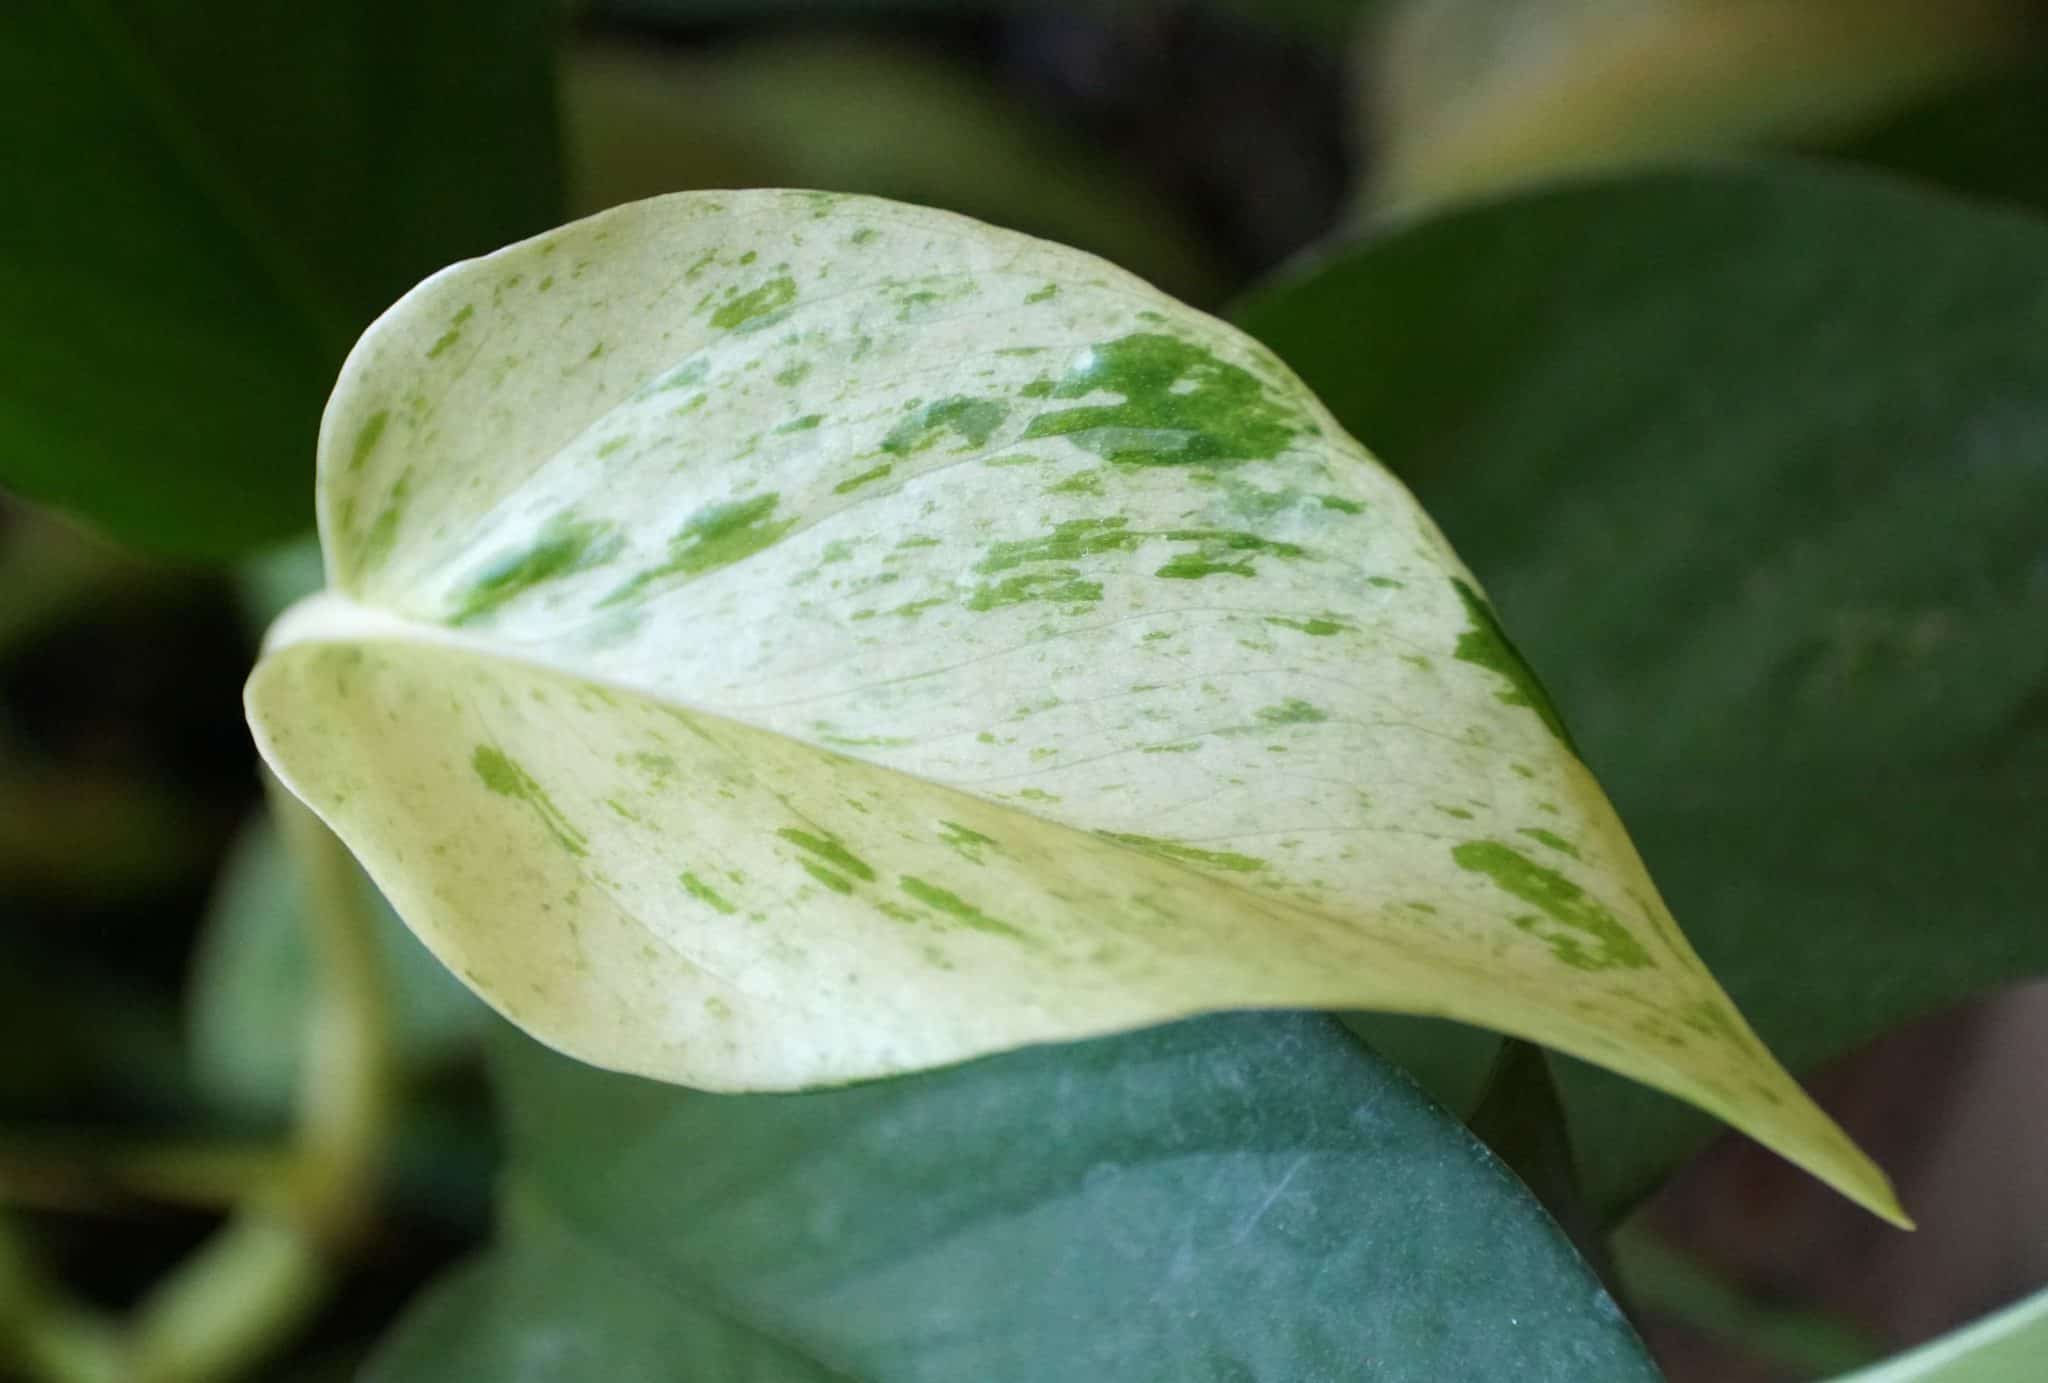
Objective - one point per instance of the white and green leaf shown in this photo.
(777, 639)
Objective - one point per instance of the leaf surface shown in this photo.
(1758, 462)
(1252, 1198)
(779, 638)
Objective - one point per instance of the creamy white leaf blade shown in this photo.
(776, 639)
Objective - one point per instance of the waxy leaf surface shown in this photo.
(777, 638)
(1245, 1198)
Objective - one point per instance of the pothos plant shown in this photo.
(948, 756)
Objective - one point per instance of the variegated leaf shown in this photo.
(776, 638)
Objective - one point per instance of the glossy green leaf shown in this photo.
(777, 638)
(1758, 463)
(1251, 1198)
(253, 983)
(2005, 1347)
(1474, 95)
(202, 206)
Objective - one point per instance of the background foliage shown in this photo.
(1724, 373)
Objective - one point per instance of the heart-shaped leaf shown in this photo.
(1756, 458)
(1253, 1198)
(778, 638)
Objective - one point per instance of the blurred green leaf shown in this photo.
(1757, 463)
(1988, 139)
(1249, 1197)
(2005, 1347)
(850, 115)
(1470, 96)
(252, 986)
(204, 203)
(1323, 18)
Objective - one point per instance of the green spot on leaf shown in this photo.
(1574, 915)
(562, 547)
(752, 309)
(972, 420)
(507, 779)
(866, 477)
(958, 908)
(705, 893)
(1188, 854)
(830, 851)
(1181, 406)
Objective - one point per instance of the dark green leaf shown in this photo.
(1988, 138)
(203, 204)
(1235, 1198)
(1756, 464)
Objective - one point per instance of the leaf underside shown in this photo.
(778, 638)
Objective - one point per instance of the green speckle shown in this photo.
(1037, 795)
(1068, 542)
(507, 779)
(757, 307)
(1552, 839)
(973, 420)
(794, 375)
(1570, 908)
(1455, 813)
(748, 258)
(1188, 854)
(910, 609)
(1293, 711)
(1181, 406)
(964, 839)
(1059, 585)
(838, 883)
(1038, 389)
(1083, 483)
(705, 893)
(377, 543)
(1045, 294)
(611, 446)
(1340, 504)
(367, 437)
(1314, 628)
(452, 335)
(715, 536)
(562, 547)
(1219, 552)
(919, 540)
(804, 424)
(958, 908)
(863, 235)
(1486, 645)
(830, 851)
(852, 483)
